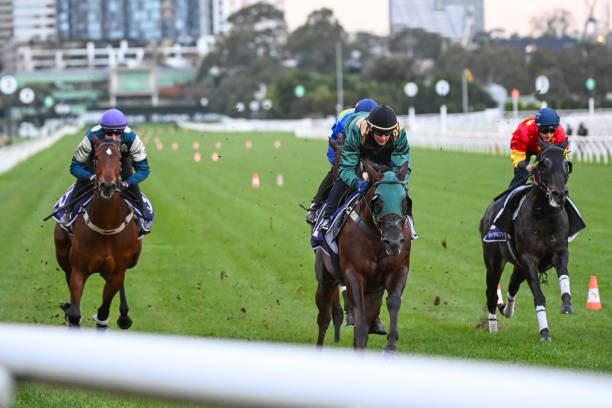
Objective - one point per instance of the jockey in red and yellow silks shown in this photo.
(525, 138)
(524, 143)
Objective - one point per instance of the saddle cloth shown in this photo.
(144, 221)
(328, 241)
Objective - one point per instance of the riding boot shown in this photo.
(311, 215)
(136, 196)
(320, 197)
(333, 200)
(79, 187)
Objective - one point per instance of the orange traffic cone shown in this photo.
(593, 301)
(255, 180)
(500, 299)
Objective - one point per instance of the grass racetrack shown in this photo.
(227, 260)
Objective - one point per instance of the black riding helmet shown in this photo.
(382, 118)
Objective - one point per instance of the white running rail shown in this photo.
(279, 375)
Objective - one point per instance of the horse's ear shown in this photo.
(373, 175)
(564, 144)
(401, 173)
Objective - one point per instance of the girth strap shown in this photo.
(113, 231)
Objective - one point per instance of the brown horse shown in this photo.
(105, 240)
(374, 248)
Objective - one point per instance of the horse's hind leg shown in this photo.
(124, 321)
(515, 282)
(325, 299)
(495, 266)
(337, 316)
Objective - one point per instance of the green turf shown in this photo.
(226, 260)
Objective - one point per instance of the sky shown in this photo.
(373, 15)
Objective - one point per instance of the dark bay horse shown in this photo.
(540, 234)
(105, 240)
(374, 249)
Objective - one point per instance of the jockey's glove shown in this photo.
(362, 186)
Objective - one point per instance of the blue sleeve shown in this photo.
(77, 169)
(142, 172)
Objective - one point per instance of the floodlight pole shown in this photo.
(340, 104)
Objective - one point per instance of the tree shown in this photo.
(249, 55)
(313, 44)
(556, 23)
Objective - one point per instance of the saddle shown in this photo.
(144, 221)
(502, 227)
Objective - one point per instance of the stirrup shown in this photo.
(65, 220)
(324, 226)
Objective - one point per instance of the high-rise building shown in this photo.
(6, 22)
(34, 19)
(458, 20)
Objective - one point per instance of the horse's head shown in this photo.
(553, 170)
(388, 204)
(107, 161)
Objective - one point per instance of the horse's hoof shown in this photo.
(544, 335)
(64, 306)
(124, 323)
(566, 307)
(350, 321)
(389, 353)
(377, 327)
(101, 327)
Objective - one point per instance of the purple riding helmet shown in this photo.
(113, 119)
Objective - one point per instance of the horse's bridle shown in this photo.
(537, 178)
(374, 215)
(97, 183)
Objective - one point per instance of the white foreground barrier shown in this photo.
(266, 374)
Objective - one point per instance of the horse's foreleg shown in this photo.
(395, 288)
(101, 316)
(124, 321)
(73, 311)
(357, 302)
(538, 297)
(564, 283)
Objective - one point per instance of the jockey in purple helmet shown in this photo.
(113, 126)
(337, 135)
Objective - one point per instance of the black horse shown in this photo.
(539, 233)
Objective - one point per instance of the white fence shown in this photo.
(278, 375)
(486, 132)
(50, 133)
